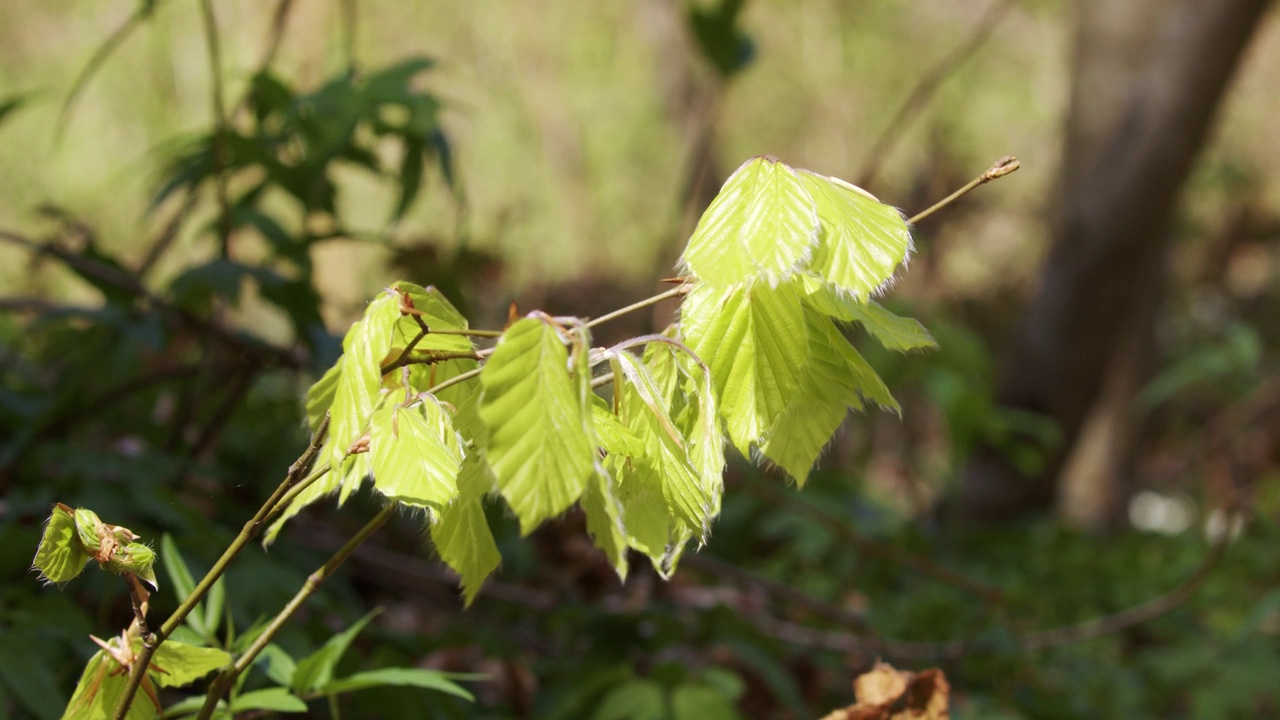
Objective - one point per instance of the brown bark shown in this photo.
(1149, 76)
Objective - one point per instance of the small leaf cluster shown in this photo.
(74, 537)
(633, 434)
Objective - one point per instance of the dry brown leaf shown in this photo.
(885, 693)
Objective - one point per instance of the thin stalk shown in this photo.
(674, 292)
(1002, 167)
(468, 332)
(219, 126)
(138, 596)
(429, 357)
(227, 677)
(456, 379)
(247, 534)
(296, 490)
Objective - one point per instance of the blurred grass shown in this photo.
(571, 160)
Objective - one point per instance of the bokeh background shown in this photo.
(1074, 516)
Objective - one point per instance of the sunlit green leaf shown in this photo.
(415, 453)
(536, 446)
(320, 396)
(862, 240)
(365, 346)
(688, 494)
(60, 556)
(99, 691)
(435, 311)
(612, 435)
(761, 226)
(316, 670)
(184, 664)
(398, 677)
(604, 521)
(753, 339)
(801, 432)
(834, 379)
(892, 331)
(461, 533)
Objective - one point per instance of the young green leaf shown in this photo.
(99, 691)
(695, 701)
(753, 339)
(135, 558)
(761, 226)
(834, 379)
(801, 432)
(688, 495)
(320, 396)
(613, 436)
(436, 312)
(316, 670)
(365, 346)
(183, 664)
(60, 556)
(176, 567)
(862, 240)
(541, 457)
(461, 532)
(415, 455)
(604, 520)
(892, 331)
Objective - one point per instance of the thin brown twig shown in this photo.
(138, 597)
(999, 169)
(927, 87)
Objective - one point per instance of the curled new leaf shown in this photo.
(60, 556)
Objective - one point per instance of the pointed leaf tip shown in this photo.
(762, 225)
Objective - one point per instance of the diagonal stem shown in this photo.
(1002, 167)
(247, 534)
(228, 676)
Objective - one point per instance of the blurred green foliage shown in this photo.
(168, 391)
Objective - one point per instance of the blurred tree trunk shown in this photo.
(1148, 77)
